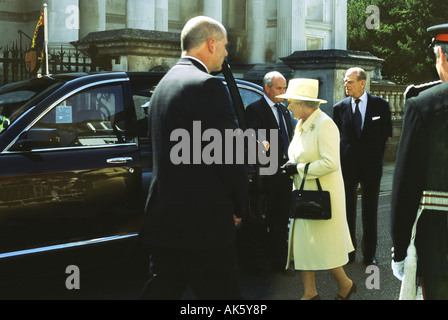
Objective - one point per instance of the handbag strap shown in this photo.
(304, 178)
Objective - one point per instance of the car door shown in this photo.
(142, 86)
(74, 175)
(241, 96)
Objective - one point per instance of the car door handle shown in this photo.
(120, 160)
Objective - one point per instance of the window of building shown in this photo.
(314, 43)
(315, 10)
(236, 14)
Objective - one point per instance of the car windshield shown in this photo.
(18, 97)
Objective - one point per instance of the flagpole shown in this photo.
(46, 37)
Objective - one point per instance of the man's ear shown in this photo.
(211, 44)
(443, 57)
(365, 82)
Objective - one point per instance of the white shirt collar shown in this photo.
(269, 101)
(363, 98)
(196, 59)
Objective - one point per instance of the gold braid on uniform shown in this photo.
(414, 90)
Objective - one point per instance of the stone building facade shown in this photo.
(142, 34)
(300, 38)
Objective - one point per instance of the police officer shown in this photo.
(421, 166)
(4, 121)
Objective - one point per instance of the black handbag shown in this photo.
(310, 204)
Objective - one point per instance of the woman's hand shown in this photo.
(289, 168)
(236, 220)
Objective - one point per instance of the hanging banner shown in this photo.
(35, 56)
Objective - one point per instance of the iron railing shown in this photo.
(63, 60)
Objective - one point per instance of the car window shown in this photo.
(141, 96)
(142, 92)
(94, 117)
(249, 95)
(16, 98)
(141, 101)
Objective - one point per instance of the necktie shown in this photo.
(357, 118)
(283, 131)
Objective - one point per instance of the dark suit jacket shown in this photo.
(191, 205)
(422, 164)
(363, 155)
(260, 116)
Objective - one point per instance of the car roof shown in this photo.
(134, 75)
(66, 77)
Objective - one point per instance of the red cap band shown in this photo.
(442, 37)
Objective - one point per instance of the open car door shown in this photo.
(254, 232)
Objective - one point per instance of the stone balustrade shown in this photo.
(392, 93)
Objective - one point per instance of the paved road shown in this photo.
(124, 280)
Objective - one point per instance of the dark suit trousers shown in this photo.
(277, 217)
(369, 200)
(211, 273)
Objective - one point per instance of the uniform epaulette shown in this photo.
(414, 90)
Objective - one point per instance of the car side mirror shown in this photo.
(37, 138)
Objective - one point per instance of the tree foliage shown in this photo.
(401, 38)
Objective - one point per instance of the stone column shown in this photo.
(329, 67)
(63, 25)
(339, 24)
(290, 27)
(161, 16)
(256, 31)
(140, 14)
(92, 16)
(213, 9)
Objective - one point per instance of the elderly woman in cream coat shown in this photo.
(317, 244)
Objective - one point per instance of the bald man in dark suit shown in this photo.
(192, 206)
